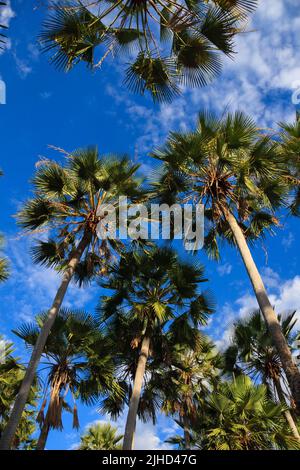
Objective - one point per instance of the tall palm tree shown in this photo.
(67, 199)
(187, 382)
(11, 376)
(240, 416)
(100, 437)
(76, 361)
(252, 352)
(169, 42)
(155, 289)
(241, 177)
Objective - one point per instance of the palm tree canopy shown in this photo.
(290, 138)
(225, 164)
(154, 287)
(185, 382)
(76, 360)
(67, 200)
(240, 416)
(11, 376)
(100, 436)
(252, 351)
(167, 42)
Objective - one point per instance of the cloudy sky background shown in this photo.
(70, 111)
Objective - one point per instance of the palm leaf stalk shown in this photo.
(169, 42)
(158, 292)
(66, 201)
(241, 177)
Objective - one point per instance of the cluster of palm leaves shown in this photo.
(155, 311)
(169, 43)
(144, 350)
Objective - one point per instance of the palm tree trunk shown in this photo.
(41, 443)
(22, 396)
(187, 440)
(291, 370)
(136, 394)
(287, 413)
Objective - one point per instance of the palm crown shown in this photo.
(225, 164)
(169, 42)
(290, 139)
(67, 200)
(155, 287)
(100, 437)
(240, 416)
(251, 350)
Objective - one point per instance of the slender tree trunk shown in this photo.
(187, 440)
(287, 413)
(22, 396)
(136, 394)
(291, 370)
(43, 434)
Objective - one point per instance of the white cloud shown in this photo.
(224, 269)
(6, 14)
(147, 436)
(258, 81)
(285, 299)
(31, 288)
(288, 240)
(270, 278)
(23, 66)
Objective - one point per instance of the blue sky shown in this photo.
(45, 107)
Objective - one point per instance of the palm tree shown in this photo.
(67, 202)
(290, 143)
(11, 376)
(153, 289)
(241, 178)
(172, 42)
(187, 382)
(240, 416)
(76, 361)
(100, 437)
(252, 352)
